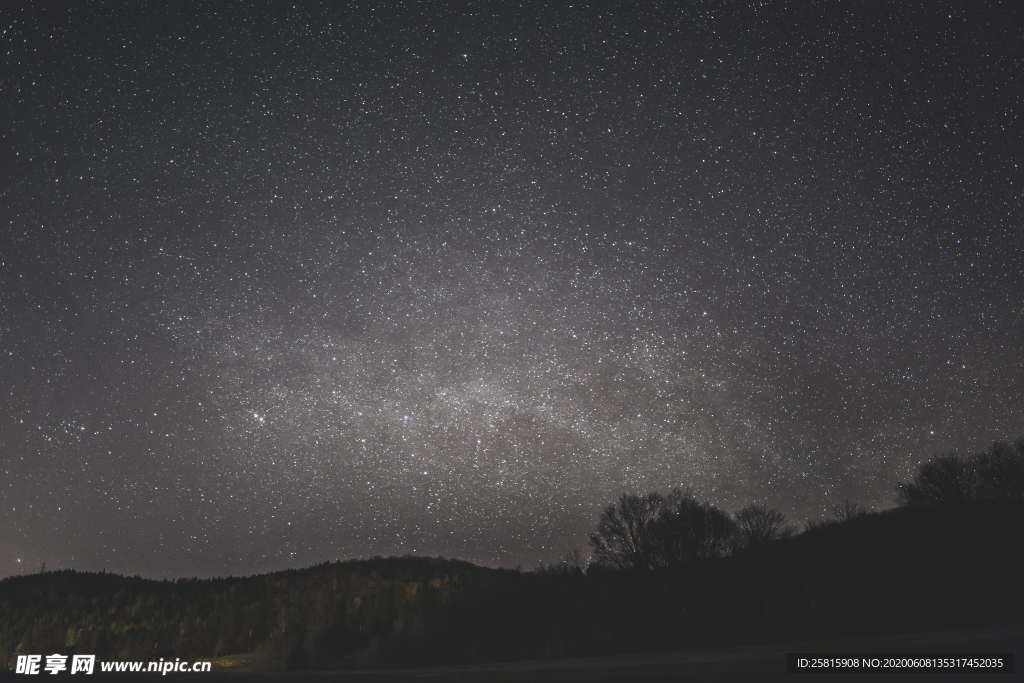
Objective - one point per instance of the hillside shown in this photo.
(905, 569)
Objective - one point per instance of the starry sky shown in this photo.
(286, 283)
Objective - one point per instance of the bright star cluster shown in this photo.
(285, 284)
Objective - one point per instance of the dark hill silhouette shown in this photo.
(917, 567)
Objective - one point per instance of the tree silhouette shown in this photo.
(949, 479)
(656, 531)
(995, 474)
(759, 524)
(624, 538)
(848, 510)
(687, 531)
(1000, 472)
(573, 563)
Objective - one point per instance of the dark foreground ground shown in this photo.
(751, 663)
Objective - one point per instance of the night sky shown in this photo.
(282, 284)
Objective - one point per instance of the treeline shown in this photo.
(655, 531)
(351, 614)
(995, 474)
(666, 571)
(658, 531)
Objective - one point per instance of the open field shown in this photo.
(762, 663)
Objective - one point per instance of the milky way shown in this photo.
(281, 285)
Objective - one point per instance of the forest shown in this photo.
(665, 572)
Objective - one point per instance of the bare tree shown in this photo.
(997, 473)
(687, 531)
(759, 524)
(815, 524)
(848, 510)
(1000, 471)
(655, 531)
(624, 536)
(949, 479)
(575, 561)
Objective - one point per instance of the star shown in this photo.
(372, 287)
